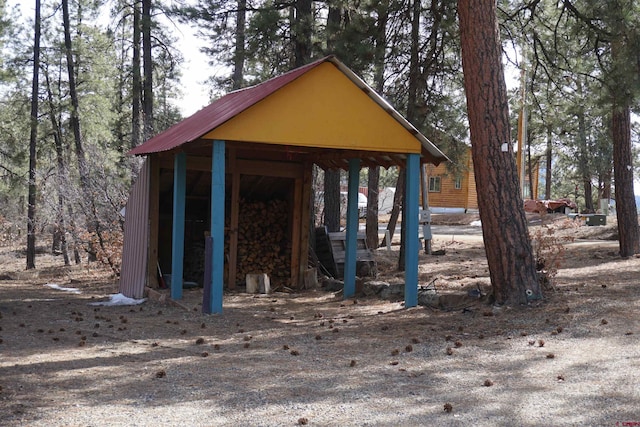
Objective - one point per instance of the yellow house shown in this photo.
(459, 192)
(453, 191)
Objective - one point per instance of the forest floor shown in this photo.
(313, 358)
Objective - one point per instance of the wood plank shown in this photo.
(154, 221)
(202, 164)
(296, 215)
(233, 221)
(272, 169)
(177, 240)
(305, 220)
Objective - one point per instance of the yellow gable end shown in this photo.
(322, 108)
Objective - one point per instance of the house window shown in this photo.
(458, 183)
(434, 184)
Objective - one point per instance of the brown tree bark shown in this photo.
(58, 137)
(332, 199)
(239, 52)
(412, 96)
(507, 244)
(303, 30)
(583, 162)
(626, 210)
(395, 211)
(332, 176)
(147, 65)
(33, 138)
(548, 155)
(136, 90)
(92, 215)
(373, 181)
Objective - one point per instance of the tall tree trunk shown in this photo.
(395, 210)
(373, 181)
(530, 165)
(33, 139)
(121, 127)
(92, 217)
(331, 195)
(334, 20)
(136, 90)
(583, 155)
(549, 153)
(510, 257)
(239, 52)
(626, 210)
(303, 30)
(60, 173)
(332, 199)
(147, 65)
(412, 97)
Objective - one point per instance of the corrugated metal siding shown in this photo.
(133, 271)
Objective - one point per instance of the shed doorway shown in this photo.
(264, 227)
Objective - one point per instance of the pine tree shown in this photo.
(509, 254)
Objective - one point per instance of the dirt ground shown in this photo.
(314, 358)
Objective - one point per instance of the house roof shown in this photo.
(282, 111)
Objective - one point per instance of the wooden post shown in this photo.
(217, 226)
(154, 215)
(295, 210)
(352, 229)
(411, 227)
(233, 221)
(179, 201)
(305, 220)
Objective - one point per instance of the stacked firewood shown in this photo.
(263, 241)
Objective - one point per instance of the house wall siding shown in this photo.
(450, 197)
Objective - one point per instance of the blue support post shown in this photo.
(177, 246)
(411, 237)
(351, 244)
(217, 226)
(206, 286)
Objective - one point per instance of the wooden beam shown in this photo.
(202, 164)
(305, 220)
(411, 231)
(154, 220)
(269, 168)
(296, 215)
(352, 229)
(217, 225)
(233, 221)
(177, 241)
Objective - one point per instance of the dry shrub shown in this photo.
(549, 248)
(9, 233)
(108, 246)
